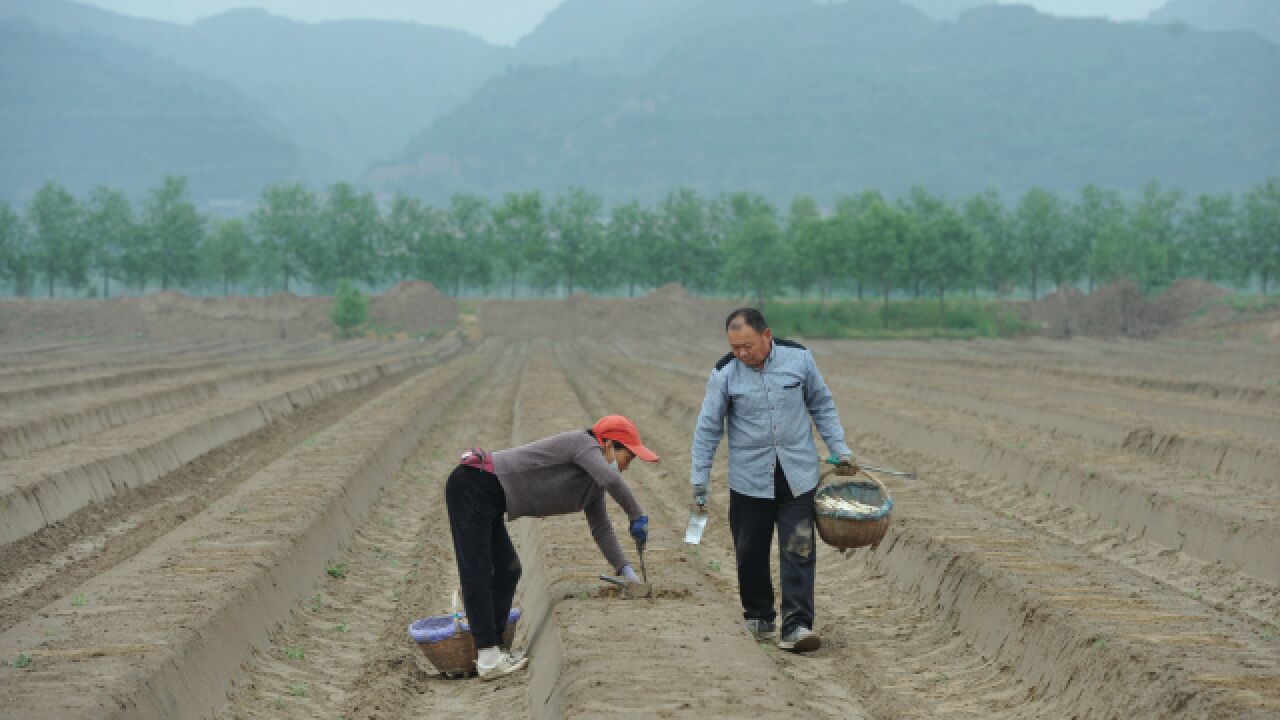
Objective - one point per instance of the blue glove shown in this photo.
(640, 528)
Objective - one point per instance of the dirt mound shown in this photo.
(413, 307)
(669, 311)
(1120, 310)
(1256, 319)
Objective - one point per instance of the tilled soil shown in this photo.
(1093, 533)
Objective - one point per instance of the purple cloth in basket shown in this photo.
(440, 627)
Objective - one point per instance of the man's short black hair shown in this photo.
(750, 316)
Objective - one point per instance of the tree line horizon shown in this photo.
(736, 243)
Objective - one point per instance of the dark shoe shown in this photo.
(761, 629)
(801, 639)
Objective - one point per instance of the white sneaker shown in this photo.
(802, 639)
(507, 664)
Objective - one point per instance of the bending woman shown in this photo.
(557, 475)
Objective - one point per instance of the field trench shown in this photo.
(220, 529)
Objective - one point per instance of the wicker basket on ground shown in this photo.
(863, 521)
(447, 642)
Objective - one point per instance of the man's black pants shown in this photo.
(488, 567)
(752, 522)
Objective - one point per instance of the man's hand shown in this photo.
(640, 529)
(700, 495)
(847, 465)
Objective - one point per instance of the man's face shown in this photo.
(750, 347)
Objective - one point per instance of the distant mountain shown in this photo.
(347, 92)
(631, 35)
(1260, 16)
(871, 93)
(946, 9)
(86, 110)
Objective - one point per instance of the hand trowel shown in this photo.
(697, 523)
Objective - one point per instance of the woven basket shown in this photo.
(846, 531)
(447, 642)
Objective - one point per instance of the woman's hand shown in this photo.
(640, 529)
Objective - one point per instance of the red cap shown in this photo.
(620, 428)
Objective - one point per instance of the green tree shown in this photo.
(952, 257)
(466, 246)
(175, 231)
(109, 228)
(229, 253)
(920, 207)
(1154, 237)
(753, 243)
(848, 242)
(285, 224)
(347, 239)
(632, 238)
(883, 235)
(947, 256)
(1097, 230)
(350, 308)
(1261, 234)
(15, 254)
(688, 251)
(573, 255)
(1211, 238)
(1040, 231)
(806, 234)
(520, 227)
(1000, 254)
(55, 222)
(405, 237)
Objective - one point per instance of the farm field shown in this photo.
(244, 529)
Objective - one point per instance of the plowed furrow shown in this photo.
(823, 679)
(164, 634)
(50, 422)
(1231, 462)
(695, 657)
(1213, 521)
(985, 573)
(345, 651)
(49, 485)
(38, 569)
(1260, 424)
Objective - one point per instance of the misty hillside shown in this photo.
(946, 9)
(626, 36)
(86, 110)
(348, 93)
(871, 93)
(1260, 16)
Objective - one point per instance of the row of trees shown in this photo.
(739, 243)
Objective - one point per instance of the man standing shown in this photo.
(768, 389)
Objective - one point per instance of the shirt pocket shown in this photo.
(793, 393)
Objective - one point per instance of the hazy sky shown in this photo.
(500, 21)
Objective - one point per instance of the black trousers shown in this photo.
(488, 567)
(752, 522)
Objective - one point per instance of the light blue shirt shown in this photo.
(768, 413)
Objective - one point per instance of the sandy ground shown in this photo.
(244, 529)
